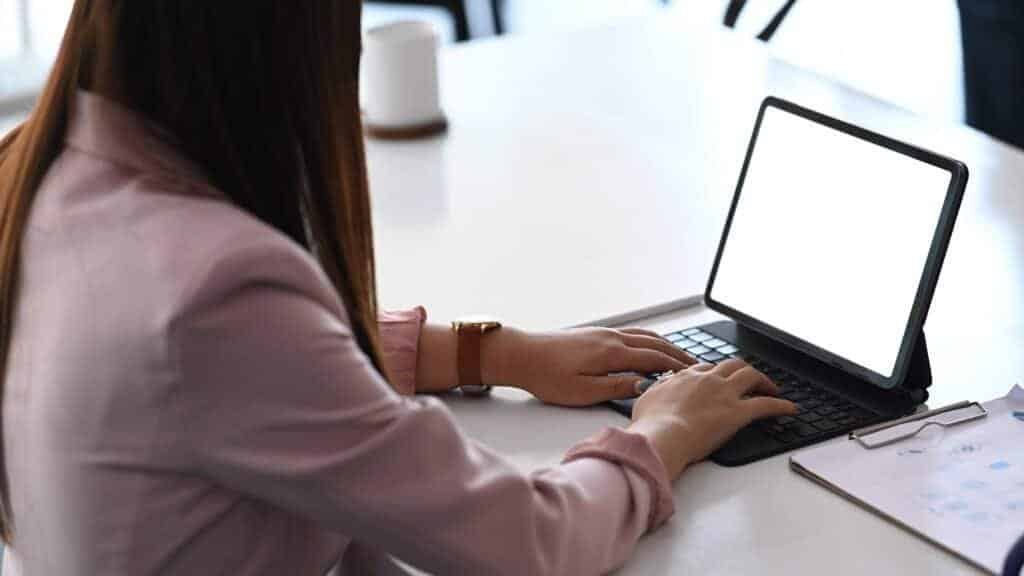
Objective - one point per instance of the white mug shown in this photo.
(399, 77)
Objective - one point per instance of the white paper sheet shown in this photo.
(961, 488)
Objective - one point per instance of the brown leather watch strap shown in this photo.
(470, 373)
(469, 335)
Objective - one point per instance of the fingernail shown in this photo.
(642, 385)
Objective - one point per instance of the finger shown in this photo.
(644, 360)
(642, 332)
(659, 344)
(615, 387)
(702, 367)
(729, 367)
(766, 407)
(748, 380)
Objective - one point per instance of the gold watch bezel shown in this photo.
(485, 324)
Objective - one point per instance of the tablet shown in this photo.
(835, 239)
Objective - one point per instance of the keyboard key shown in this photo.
(787, 437)
(700, 337)
(806, 430)
(826, 425)
(713, 357)
(685, 343)
(698, 350)
(808, 417)
(847, 420)
(860, 413)
(728, 349)
(690, 331)
(715, 343)
(825, 410)
(810, 404)
(675, 337)
(785, 420)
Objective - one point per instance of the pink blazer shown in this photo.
(184, 396)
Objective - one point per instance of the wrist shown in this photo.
(500, 353)
(669, 437)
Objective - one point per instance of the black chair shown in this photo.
(735, 7)
(992, 32)
(1015, 559)
(457, 8)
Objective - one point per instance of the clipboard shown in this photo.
(953, 476)
(908, 427)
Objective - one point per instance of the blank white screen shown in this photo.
(829, 239)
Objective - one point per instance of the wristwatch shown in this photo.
(470, 332)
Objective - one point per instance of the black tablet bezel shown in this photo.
(929, 276)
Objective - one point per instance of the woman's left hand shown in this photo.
(585, 366)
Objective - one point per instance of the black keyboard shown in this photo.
(823, 413)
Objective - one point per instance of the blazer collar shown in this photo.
(103, 128)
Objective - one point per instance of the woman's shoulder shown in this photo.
(216, 249)
(163, 236)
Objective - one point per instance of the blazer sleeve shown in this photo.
(399, 341)
(278, 402)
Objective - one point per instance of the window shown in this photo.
(30, 33)
(12, 41)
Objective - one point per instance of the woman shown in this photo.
(194, 378)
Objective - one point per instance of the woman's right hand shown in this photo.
(693, 412)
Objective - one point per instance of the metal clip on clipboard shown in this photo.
(888, 433)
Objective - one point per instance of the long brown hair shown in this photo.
(263, 97)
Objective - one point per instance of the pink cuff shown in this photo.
(635, 452)
(400, 339)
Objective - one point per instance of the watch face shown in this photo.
(484, 322)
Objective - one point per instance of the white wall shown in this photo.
(904, 51)
(907, 51)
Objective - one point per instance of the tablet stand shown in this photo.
(919, 373)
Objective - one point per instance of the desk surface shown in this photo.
(588, 175)
(757, 519)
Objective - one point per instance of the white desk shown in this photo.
(570, 178)
(586, 176)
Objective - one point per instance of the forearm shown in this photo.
(437, 365)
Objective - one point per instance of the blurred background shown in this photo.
(907, 52)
